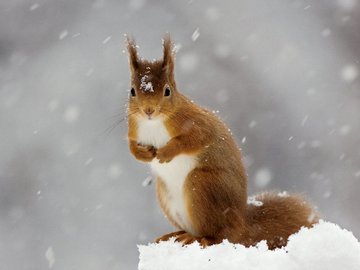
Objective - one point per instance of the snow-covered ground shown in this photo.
(325, 246)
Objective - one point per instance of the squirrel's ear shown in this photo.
(169, 55)
(133, 55)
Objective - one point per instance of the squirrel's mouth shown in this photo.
(154, 115)
(150, 117)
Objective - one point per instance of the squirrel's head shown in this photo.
(153, 92)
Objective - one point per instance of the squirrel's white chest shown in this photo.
(152, 132)
(173, 173)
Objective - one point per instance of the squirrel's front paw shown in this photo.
(145, 153)
(165, 154)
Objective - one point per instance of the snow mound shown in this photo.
(324, 247)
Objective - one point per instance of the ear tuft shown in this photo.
(133, 54)
(169, 55)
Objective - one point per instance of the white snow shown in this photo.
(283, 194)
(188, 62)
(344, 130)
(106, 40)
(252, 124)
(34, 6)
(305, 119)
(115, 170)
(263, 177)
(63, 34)
(195, 35)
(146, 86)
(324, 247)
(88, 161)
(349, 72)
(327, 195)
(71, 114)
(252, 200)
(50, 256)
(147, 181)
(301, 145)
(326, 32)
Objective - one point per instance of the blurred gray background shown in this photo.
(284, 75)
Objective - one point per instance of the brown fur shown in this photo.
(216, 190)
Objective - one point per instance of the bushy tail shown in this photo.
(275, 216)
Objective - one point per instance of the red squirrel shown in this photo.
(201, 182)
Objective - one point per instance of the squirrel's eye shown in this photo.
(167, 92)
(132, 92)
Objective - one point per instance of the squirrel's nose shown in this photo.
(149, 111)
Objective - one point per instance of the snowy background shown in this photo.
(284, 75)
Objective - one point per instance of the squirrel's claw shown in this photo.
(166, 237)
(187, 239)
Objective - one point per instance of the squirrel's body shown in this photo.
(172, 174)
(201, 181)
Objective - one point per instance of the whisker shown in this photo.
(122, 114)
(113, 126)
(108, 130)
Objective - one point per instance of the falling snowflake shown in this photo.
(195, 35)
(147, 182)
(252, 124)
(50, 256)
(263, 177)
(188, 62)
(34, 7)
(344, 130)
(106, 40)
(326, 32)
(349, 73)
(71, 114)
(63, 34)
